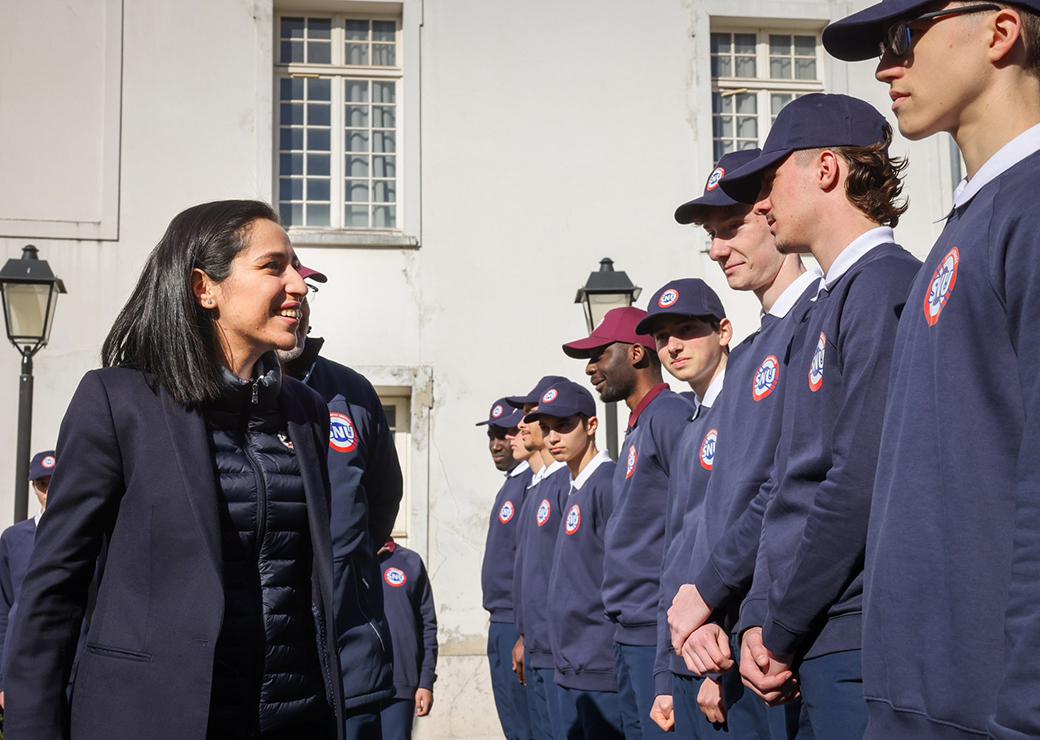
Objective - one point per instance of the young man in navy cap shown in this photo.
(16, 547)
(691, 332)
(827, 185)
(746, 420)
(536, 544)
(951, 627)
(497, 571)
(623, 366)
(582, 636)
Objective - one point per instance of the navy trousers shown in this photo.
(635, 676)
(363, 723)
(747, 716)
(688, 715)
(541, 688)
(510, 694)
(832, 696)
(397, 717)
(588, 715)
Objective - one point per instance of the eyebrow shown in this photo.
(270, 255)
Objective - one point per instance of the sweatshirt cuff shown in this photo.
(782, 642)
(711, 587)
(663, 683)
(752, 614)
(426, 680)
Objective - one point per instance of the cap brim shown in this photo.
(857, 37)
(556, 412)
(688, 212)
(582, 349)
(309, 274)
(744, 182)
(518, 402)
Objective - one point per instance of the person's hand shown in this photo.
(773, 681)
(663, 712)
(687, 612)
(423, 702)
(707, 650)
(709, 699)
(518, 660)
(2, 700)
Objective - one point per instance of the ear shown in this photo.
(637, 355)
(725, 332)
(828, 170)
(204, 289)
(592, 425)
(1004, 33)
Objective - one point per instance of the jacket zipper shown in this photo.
(261, 485)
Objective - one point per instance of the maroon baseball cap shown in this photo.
(619, 325)
(307, 272)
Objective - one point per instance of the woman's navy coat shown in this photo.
(137, 474)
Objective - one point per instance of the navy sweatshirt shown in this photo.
(539, 523)
(694, 462)
(748, 417)
(412, 618)
(582, 636)
(815, 527)
(16, 546)
(952, 618)
(635, 533)
(496, 574)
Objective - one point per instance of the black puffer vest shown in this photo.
(267, 676)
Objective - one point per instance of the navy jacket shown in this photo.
(748, 416)
(16, 546)
(815, 528)
(952, 619)
(413, 620)
(138, 477)
(539, 524)
(366, 493)
(582, 637)
(635, 533)
(496, 573)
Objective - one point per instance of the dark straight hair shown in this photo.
(162, 330)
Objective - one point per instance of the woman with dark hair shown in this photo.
(194, 482)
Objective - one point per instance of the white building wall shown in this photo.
(540, 137)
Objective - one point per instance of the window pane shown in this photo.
(291, 214)
(357, 91)
(383, 192)
(317, 215)
(317, 188)
(721, 103)
(720, 67)
(319, 89)
(357, 54)
(747, 103)
(290, 189)
(805, 46)
(777, 101)
(292, 28)
(805, 69)
(290, 164)
(357, 141)
(358, 166)
(721, 43)
(383, 141)
(290, 138)
(292, 51)
(383, 92)
(357, 30)
(356, 217)
(383, 55)
(384, 166)
(318, 164)
(779, 46)
(779, 69)
(746, 67)
(319, 52)
(723, 127)
(719, 149)
(319, 114)
(747, 128)
(744, 145)
(384, 217)
(383, 117)
(357, 191)
(318, 139)
(383, 30)
(357, 116)
(292, 113)
(744, 43)
(291, 89)
(319, 28)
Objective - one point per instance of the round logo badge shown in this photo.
(544, 512)
(48, 461)
(395, 577)
(550, 395)
(767, 377)
(342, 436)
(573, 522)
(630, 464)
(713, 179)
(668, 298)
(816, 368)
(941, 287)
(505, 514)
(708, 449)
(497, 411)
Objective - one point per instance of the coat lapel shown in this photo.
(315, 487)
(190, 444)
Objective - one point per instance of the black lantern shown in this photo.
(30, 293)
(605, 289)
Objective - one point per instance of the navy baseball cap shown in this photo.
(562, 400)
(541, 387)
(683, 297)
(714, 196)
(859, 36)
(42, 465)
(808, 122)
(502, 415)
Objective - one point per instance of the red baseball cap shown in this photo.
(619, 325)
(307, 272)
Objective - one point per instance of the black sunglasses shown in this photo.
(899, 37)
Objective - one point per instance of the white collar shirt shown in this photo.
(1026, 143)
(857, 250)
(785, 302)
(583, 477)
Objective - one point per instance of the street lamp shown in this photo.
(30, 293)
(604, 290)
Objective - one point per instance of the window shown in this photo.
(397, 408)
(337, 138)
(754, 74)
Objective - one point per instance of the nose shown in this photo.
(719, 250)
(674, 345)
(763, 206)
(294, 284)
(590, 368)
(888, 68)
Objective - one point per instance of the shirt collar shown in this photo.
(854, 253)
(648, 399)
(783, 305)
(37, 517)
(519, 469)
(1007, 156)
(584, 475)
(711, 394)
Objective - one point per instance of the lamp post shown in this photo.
(607, 289)
(30, 293)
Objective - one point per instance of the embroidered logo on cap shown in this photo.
(544, 512)
(767, 377)
(630, 464)
(505, 514)
(550, 395)
(342, 436)
(708, 449)
(497, 411)
(48, 461)
(941, 287)
(816, 368)
(395, 577)
(573, 521)
(668, 298)
(713, 179)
